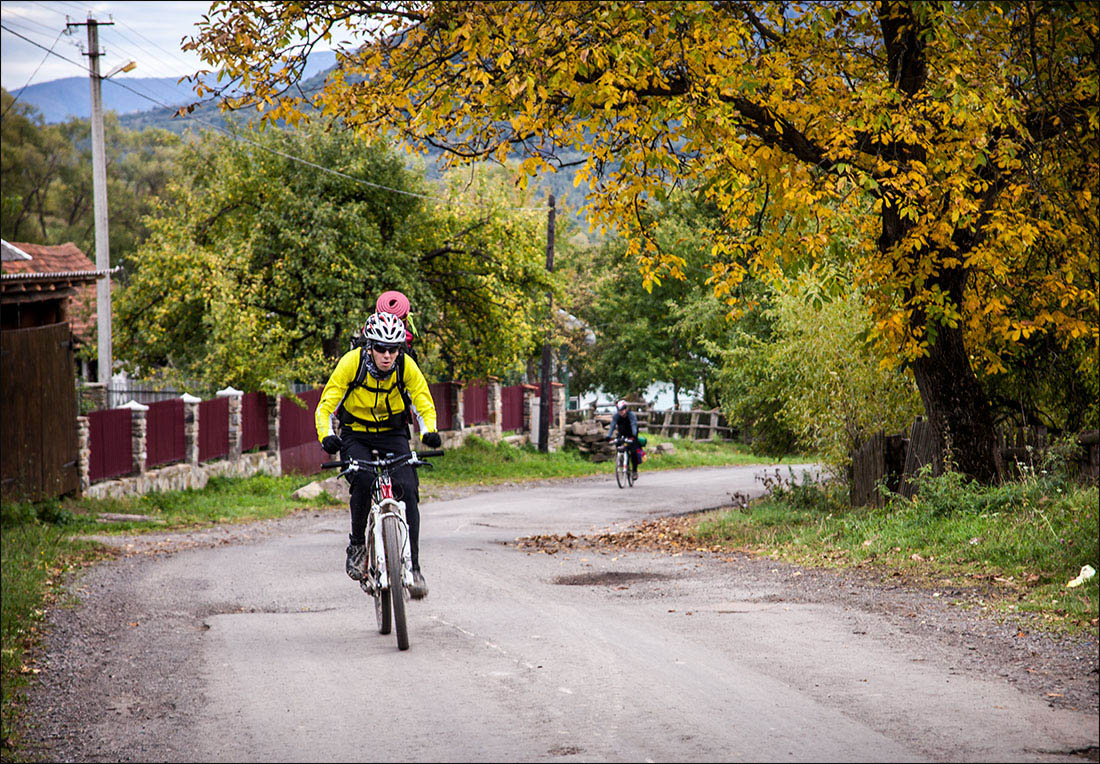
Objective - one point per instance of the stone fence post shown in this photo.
(84, 452)
(496, 410)
(234, 395)
(191, 428)
(274, 402)
(529, 420)
(138, 430)
(557, 390)
(96, 395)
(458, 405)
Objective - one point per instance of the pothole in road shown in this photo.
(565, 750)
(608, 578)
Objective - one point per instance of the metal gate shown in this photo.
(38, 446)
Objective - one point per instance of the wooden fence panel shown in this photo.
(299, 450)
(924, 448)
(868, 467)
(39, 441)
(441, 396)
(110, 443)
(164, 435)
(475, 404)
(511, 408)
(213, 429)
(253, 421)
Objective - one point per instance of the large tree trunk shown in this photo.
(957, 407)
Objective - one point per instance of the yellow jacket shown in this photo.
(376, 401)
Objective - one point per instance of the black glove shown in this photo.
(432, 439)
(331, 444)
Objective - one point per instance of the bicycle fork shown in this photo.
(395, 509)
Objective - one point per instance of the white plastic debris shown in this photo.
(1086, 573)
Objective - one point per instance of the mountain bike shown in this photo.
(623, 472)
(389, 556)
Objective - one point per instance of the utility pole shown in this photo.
(99, 188)
(544, 405)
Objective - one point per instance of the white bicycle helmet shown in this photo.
(385, 329)
(622, 404)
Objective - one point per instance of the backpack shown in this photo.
(395, 421)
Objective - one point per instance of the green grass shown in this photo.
(34, 557)
(708, 453)
(1016, 545)
(484, 463)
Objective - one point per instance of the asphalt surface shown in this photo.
(255, 646)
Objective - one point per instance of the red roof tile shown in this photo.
(62, 258)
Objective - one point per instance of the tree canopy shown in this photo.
(47, 179)
(632, 337)
(954, 143)
(261, 266)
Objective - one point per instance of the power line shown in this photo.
(28, 82)
(239, 137)
(49, 51)
(26, 19)
(187, 64)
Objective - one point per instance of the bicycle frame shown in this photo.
(387, 529)
(383, 503)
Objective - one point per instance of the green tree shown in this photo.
(47, 180)
(959, 137)
(260, 267)
(643, 336)
(835, 388)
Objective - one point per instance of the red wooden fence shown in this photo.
(213, 429)
(110, 437)
(253, 421)
(164, 436)
(475, 404)
(111, 447)
(441, 396)
(511, 405)
(299, 450)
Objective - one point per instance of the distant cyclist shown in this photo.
(371, 395)
(627, 424)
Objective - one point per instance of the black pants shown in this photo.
(632, 452)
(406, 485)
(632, 449)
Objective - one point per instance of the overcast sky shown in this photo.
(146, 32)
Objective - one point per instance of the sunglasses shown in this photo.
(387, 348)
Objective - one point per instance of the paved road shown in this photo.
(274, 655)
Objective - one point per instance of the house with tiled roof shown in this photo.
(48, 284)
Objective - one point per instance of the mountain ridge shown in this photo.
(70, 97)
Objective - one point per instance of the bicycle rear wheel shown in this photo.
(391, 540)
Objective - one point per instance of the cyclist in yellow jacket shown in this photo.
(371, 396)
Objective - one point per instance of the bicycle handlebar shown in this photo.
(415, 457)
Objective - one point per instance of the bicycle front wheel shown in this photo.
(391, 541)
(620, 468)
(382, 610)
